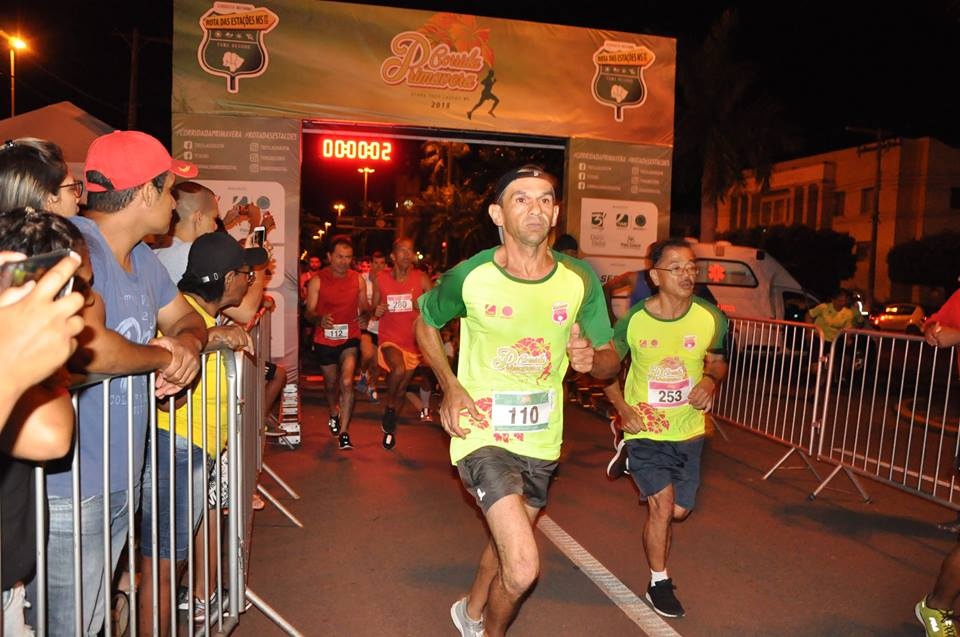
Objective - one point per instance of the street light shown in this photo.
(339, 207)
(16, 43)
(366, 173)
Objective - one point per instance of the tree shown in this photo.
(727, 124)
(818, 259)
(933, 260)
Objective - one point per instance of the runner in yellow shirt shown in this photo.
(676, 344)
(526, 313)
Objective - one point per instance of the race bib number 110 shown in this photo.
(522, 411)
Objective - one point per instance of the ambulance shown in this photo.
(746, 282)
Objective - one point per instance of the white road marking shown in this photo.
(635, 608)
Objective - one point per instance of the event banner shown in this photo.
(617, 201)
(307, 59)
(254, 162)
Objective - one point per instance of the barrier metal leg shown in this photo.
(856, 483)
(803, 457)
(720, 430)
(286, 487)
(850, 474)
(290, 516)
(272, 614)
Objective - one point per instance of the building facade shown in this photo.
(919, 196)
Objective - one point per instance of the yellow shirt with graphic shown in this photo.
(210, 379)
(667, 359)
(513, 347)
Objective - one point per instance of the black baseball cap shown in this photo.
(529, 170)
(214, 254)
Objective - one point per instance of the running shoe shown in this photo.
(467, 627)
(937, 623)
(183, 598)
(345, 442)
(389, 441)
(388, 423)
(201, 608)
(615, 427)
(617, 467)
(334, 424)
(425, 414)
(662, 599)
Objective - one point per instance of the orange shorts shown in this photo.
(410, 359)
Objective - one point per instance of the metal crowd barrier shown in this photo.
(772, 386)
(890, 415)
(232, 519)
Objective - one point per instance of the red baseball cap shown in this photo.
(129, 158)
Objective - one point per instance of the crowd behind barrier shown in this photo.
(225, 519)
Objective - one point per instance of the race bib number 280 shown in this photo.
(400, 302)
(522, 411)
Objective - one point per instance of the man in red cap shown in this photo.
(128, 175)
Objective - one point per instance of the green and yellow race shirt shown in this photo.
(513, 347)
(667, 362)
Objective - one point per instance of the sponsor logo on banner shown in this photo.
(232, 45)
(448, 52)
(618, 81)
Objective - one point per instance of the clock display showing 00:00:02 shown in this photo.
(332, 148)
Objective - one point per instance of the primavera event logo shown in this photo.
(232, 45)
(448, 52)
(618, 81)
(527, 356)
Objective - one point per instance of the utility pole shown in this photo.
(135, 41)
(884, 141)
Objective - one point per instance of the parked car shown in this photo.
(900, 317)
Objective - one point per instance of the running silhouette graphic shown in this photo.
(487, 94)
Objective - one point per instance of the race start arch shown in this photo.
(247, 76)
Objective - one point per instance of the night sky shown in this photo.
(828, 64)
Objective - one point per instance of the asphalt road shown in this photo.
(391, 540)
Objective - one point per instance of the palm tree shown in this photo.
(727, 123)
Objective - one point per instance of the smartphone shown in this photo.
(259, 235)
(17, 273)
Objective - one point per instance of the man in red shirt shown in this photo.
(395, 297)
(935, 611)
(336, 296)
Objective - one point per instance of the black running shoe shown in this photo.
(617, 467)
(661, 597)
(334, 424)
(389, 441)
(345, 442)
(389, 421)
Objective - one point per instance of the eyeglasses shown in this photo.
(77, 188)
(250, 274)
(677, 270)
